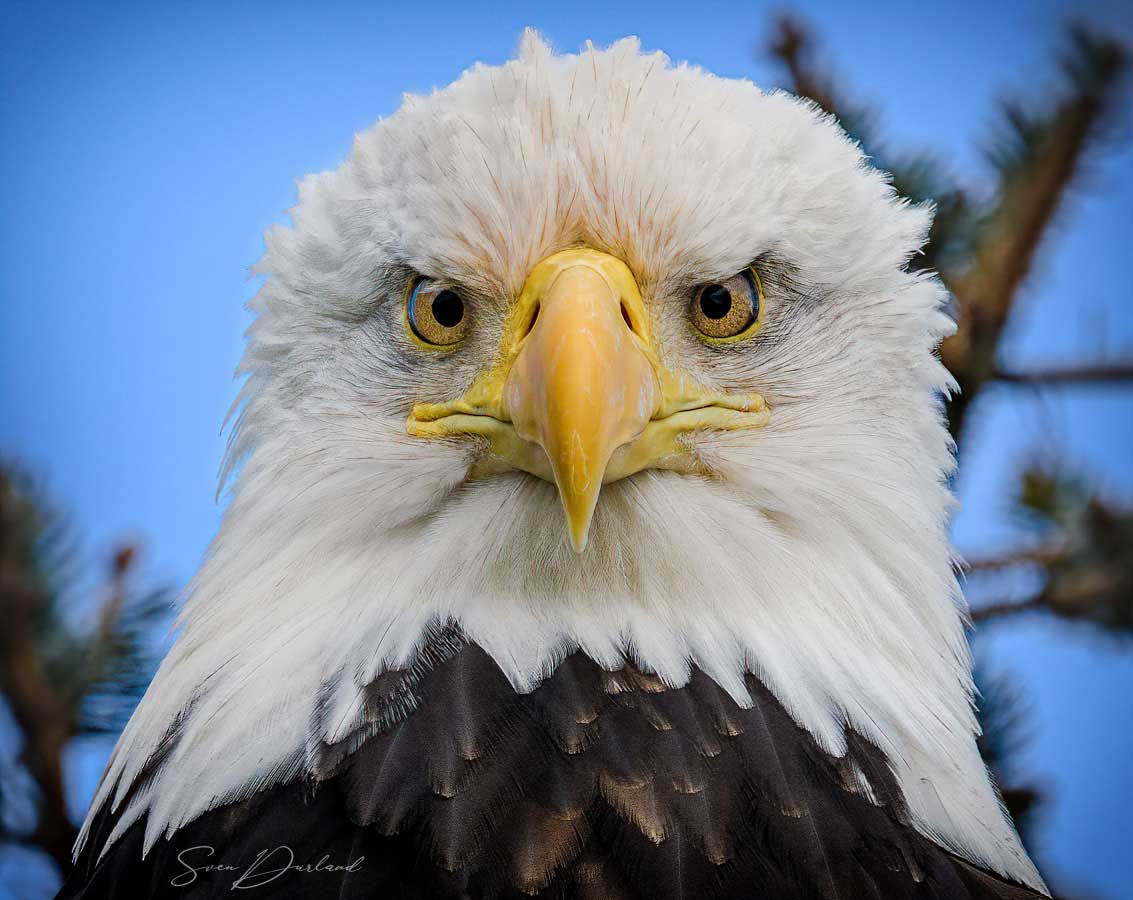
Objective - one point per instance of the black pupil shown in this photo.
(448, 309)
(715, 301)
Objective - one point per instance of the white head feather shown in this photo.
(816, 557)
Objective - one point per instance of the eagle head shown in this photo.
(586, 353)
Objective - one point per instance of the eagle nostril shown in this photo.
(534, 319)
(628, 321)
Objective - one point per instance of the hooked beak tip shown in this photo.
(579, 507)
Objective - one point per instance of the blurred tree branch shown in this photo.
(1036, 156)
(1043, 153)
(984, 251)
(1006, 608)
(1119, 374)
(41, 714)
(61, 682)
(1040, 555)
(793, 46)
(1081, 566)
(1084, 561)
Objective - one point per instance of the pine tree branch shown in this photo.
(59, 683)
(792, 45)
(1085, 560)
(1041, 556)
(1119, 374)
(1029, 199)
(1042, 157)
(111, 611)
(44, 717)
(1006, 608)
(1097, 591)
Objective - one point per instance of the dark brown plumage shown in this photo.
(595, 785)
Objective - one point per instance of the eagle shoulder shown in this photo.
(597, 784)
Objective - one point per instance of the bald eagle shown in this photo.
(588, 527)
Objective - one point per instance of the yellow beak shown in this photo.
(579, 395)
(581, 387)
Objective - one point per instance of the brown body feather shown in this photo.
(597, 784)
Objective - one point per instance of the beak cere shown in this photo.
(581, 387)
(579, 395)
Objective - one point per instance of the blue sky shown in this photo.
(147, 148)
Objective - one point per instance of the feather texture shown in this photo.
(597, 783)
(812, 567)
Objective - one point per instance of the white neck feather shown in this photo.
(817, 558)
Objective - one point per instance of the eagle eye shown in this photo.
(436, 316)
(728, 310)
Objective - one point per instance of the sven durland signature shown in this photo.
(266, 867)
